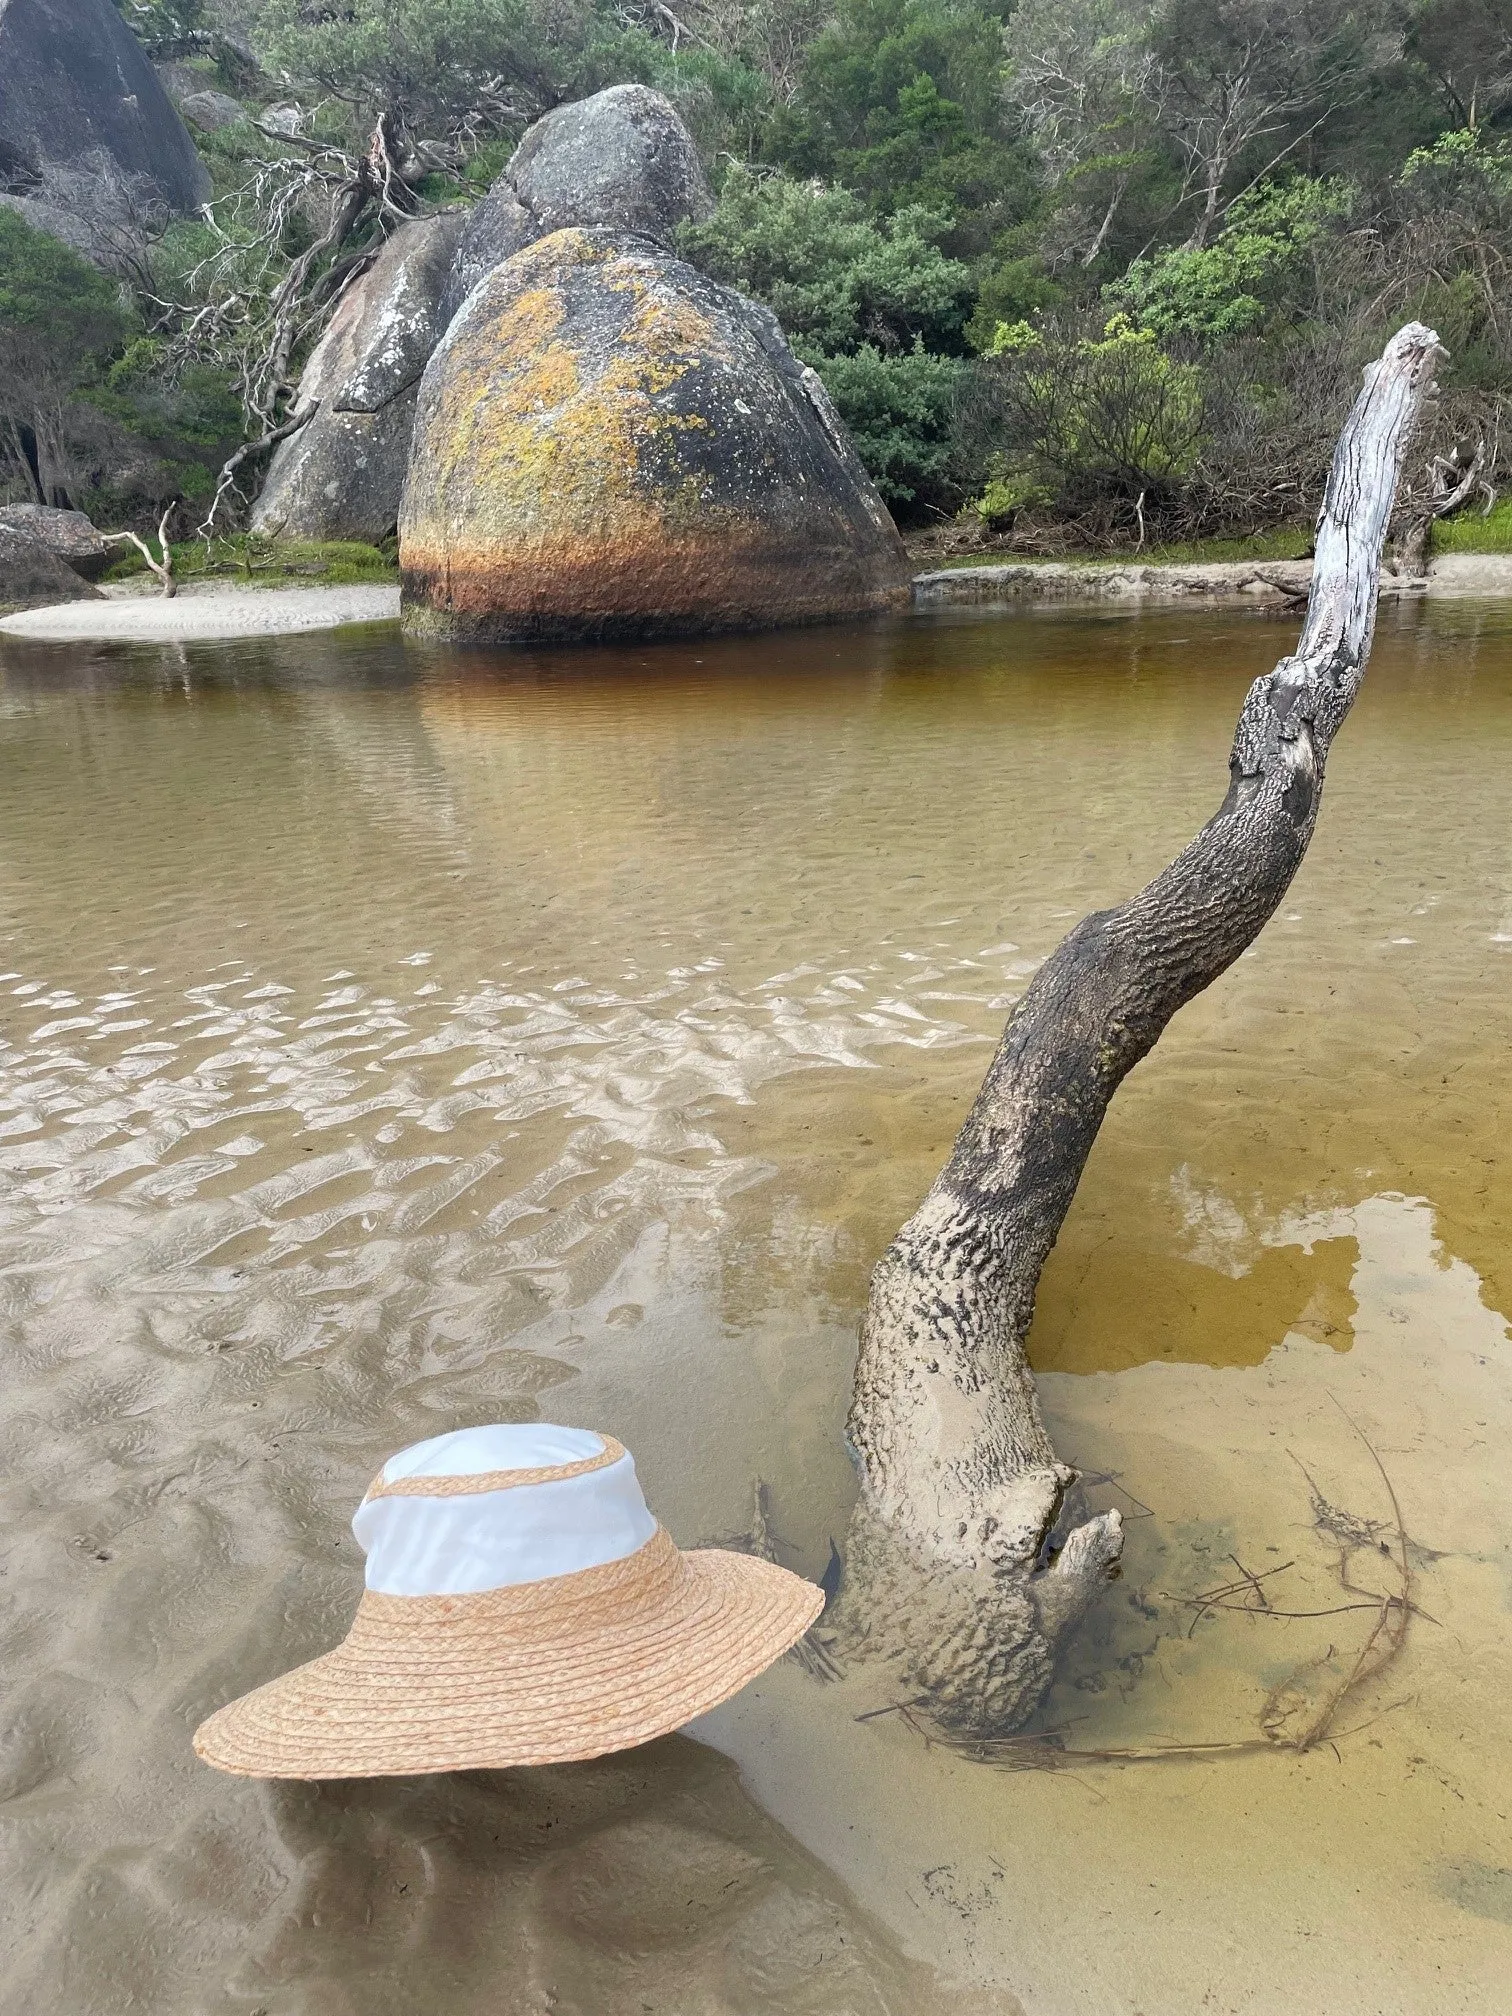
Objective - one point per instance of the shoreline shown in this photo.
(1276, 582)
(208, 613)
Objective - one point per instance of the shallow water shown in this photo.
(391, 1040)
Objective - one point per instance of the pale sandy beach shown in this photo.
(205, 613)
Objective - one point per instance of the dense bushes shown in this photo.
(87, 417)
(1105, 268)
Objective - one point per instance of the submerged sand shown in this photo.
(390, 1043)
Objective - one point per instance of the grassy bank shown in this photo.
(247, 560)
(1470, 532)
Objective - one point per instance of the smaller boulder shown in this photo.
(32, 577)
(69, 534)
(621, 159)
(342, 474)
(211, 111)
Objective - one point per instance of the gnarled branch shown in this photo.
(950, 1580)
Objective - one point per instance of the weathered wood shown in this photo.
(947, 1577)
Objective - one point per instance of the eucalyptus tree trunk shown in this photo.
(950, 1579)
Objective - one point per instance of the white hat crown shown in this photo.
(500, 1506)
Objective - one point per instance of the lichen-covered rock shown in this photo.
(341, 475)
(621, 159)
(69, 534)
(31, 577)
(608, 443)
(74, 82)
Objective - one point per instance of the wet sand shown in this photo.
(395, 1039)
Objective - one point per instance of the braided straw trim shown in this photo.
(491, 1480)
(451, 1683)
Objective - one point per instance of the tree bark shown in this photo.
(953, 1585)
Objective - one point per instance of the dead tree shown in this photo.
(953, 1582)
(162, 569)
(1452, 481)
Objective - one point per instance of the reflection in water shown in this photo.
(394, 1039)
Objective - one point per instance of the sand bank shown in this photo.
(202, 614)
(1276, 581)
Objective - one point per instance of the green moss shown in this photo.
(250, 560)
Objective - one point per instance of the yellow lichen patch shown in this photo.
(582, 457)
(530, 433)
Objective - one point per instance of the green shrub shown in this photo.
(898, 410)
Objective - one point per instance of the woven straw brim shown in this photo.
(545, 1674)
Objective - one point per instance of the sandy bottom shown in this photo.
(219, 613)
(392, 1039)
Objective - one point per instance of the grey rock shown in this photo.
(74, 81)
(621, 159)
(212, 111)
(32, 577)
(67, 226)
(68, 534)
(610, 444)
(341, 475)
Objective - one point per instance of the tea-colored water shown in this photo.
(391, 1040)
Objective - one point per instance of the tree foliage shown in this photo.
(1208, 210)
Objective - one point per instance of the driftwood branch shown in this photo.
(1449, 486)
(163, 568)
(226, 480)
(954, 1584)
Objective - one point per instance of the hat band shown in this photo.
(433, 1630)
(537, 1527)
(492, 1480)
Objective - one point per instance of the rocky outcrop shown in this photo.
(75, 82)
(341, 475)
(621, 159)
(609, 444)
(31, 577)
(212, 111)
(68, 534)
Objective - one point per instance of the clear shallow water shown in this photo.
(391, 1040)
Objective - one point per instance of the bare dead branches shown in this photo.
(250, 304)
(1305, 1709)
(162, 568)
(1451, 481)
(950, 1579)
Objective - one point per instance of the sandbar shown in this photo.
(220, 613)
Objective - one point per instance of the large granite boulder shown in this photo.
(608, 443)
(31, 577)
(74, 82)
(622, 159)
(341, 475)
(69, 534)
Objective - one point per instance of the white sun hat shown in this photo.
(522, 1607)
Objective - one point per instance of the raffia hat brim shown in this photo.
(549, 1673)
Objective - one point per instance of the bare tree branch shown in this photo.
(953, 1585)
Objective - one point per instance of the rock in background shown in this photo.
(622, 159)
(74, 82)
(68, 534)
(31, 577)
(608, 443)
(341, 475)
